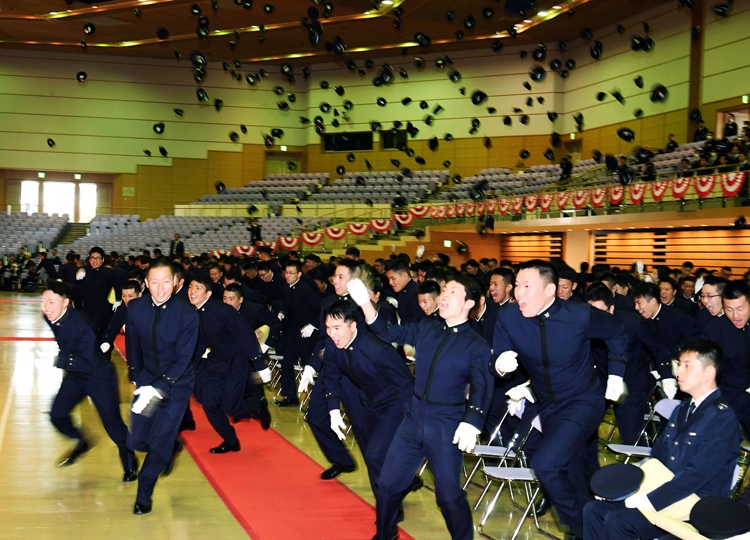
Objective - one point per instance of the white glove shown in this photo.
(307, 331)
(280, 316)
(145, 395)
(670, 387)
(116, 305)
(466, 437)
(506, 362)
(639, 267)
(655, 375)
(420, 251)
(208, 351)
(392, 301)
(522, 391)
(307, 379)
(358, 292)
(265, 375)
(516, 408)
(615, 387)
(80, 274)
(639, 501)
(264, 348)
(337, 423)
(104, 347)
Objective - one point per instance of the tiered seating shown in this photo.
(509, 184)
(670, 162)
(275, 189)
(381, 187)
(22, 230)
(100, 223)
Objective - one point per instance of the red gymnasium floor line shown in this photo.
(13, 338)
(303, 506)
(17, 300)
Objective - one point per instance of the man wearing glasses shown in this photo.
(96, 283)
(710, 297)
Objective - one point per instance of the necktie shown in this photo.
(154, 339)
(690, 411)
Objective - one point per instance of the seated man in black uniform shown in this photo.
(700, 445)
(87, 373)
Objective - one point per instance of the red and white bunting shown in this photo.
(516, 204)
(562, 199)
(335, 233)
(381, 225)
(480, 207)
(616, 194)
(450, 210)
(220, 252)
(637, 191)
(530, 202)
(272, 245)
(503, 205)
(312, 239)
(289, 243)
(490, 206)
(598, 196)
(545, 201)
(435, 212)
(460, 209)
(404, 219)
(658, 189)
(731, 183)
(704, 185)
(580, 198)
(245, 251)
(359, 229)
(419, 211)
(470, 207)
(680, 187)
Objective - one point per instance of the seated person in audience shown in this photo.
(702, 166)
(703, 464)
(672, 144)
(741, 163)
(724, 166)
(685, 170)
(701, 133)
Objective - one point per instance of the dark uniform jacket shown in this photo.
(484, 325)
(118, 320)
(408, 304)
(674, 327)
(258, 315)
(704, 318)
(79, 351)
(735, 342)
(96, 285)
(48, 267)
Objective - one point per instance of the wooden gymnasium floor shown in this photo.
(88, 501)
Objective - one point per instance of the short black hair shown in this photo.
(204, 279)
(178, 271)
(736, 289)
(647, 291)
(353, 251)
(566, 272)
(429, 287)
(345, 310)
(546, 269)
(296, 263)
(506, 274)
(719, 282)
(599, 292)
(473, 292)
(607, 277)
(400, 266)
(709, 353)
(235, 288)
(349, 263)
(437, 274)
(687, 264)
(60, 288)
(96, 249)
(312, 257)
(621, 280)
(132, 285)
(161, 263)
(233, 274)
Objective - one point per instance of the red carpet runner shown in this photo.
(274, 489)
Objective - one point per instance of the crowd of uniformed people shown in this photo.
(423, 360)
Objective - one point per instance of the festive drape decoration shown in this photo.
(598, 196)
(680, 187)
(359, 229)
(490, 206)
(450, 210)
(404, 219)
(311, 239)
(460, 209)
(637, 191)
(516, 204)
(545, 201)
(435, 212)
(731, 183)
(616, 194)
(246, 251)
(419, 211)
(503, 205)
(658, 189)
(480, 207)
(272, 245)
(580, 197)
(220, 252)
(289, 242)
(335, 233)
(530, 202)
(704, 185)
(562, 199)
(380, 225)
(470, 207)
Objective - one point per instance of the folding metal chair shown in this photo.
(664, 409)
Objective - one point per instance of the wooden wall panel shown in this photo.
(523, 247)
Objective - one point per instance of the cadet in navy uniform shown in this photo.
(440, 423)
(551, 339)
(226, 347)
(484, 315)
(96, 281)
(428, 293)
(700, 446)
(87, 373)
(638, 380)
(385, 383)
(130, 291)
(731, 332)
(710, 296)
(160, 340)
(674, 326)
(405, 288)
(317, 411)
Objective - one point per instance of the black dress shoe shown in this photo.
(336, 470)
(225, 447)
(542, 506)
(130, 476)
(287, 402)
(393, 536)
(178, 446)
(188, 426)
(140, 509)
(264, 415)
(401, 515)
(416, 484)
(78, 450)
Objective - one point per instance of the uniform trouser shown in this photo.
(222, 396)
(101, 386)
(603, 520)
(320, 421)
(561, 462)
(739, 400)
(99, 315)
(426, 431)
(498, 406)
(519, 427)
(296, 348)
(380, 425)
(629, 413)
(156, 434)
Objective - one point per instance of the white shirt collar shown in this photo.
(456, 324)
(484, 309)
(162, 303)
(352, 341)
(545, 308)
(293, 284)
(657, 312)
(702, 398)
(61, 316)
(203, 303)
